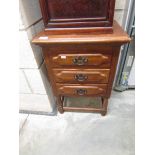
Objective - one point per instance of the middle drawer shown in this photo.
(81, 75)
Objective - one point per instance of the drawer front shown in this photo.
(82, 90)
(81, 76)
(80, 60)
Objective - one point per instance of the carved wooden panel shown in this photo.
(74, 9)
(77, 13)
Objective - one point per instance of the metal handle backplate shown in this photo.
(81, 91)
(81, 77)
(80, 60)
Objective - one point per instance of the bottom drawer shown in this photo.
(82, 90)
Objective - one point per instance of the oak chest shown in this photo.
(82, 65)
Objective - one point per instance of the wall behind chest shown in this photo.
(32, 73)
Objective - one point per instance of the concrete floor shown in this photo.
(81, 133)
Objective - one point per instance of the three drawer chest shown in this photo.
(81, 60)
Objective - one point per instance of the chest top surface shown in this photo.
(117, 37)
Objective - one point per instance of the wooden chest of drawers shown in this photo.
(82, 65)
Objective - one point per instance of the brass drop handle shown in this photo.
(81, 77)
(80, 60)
(81, 92)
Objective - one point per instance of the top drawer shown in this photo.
(80, 60)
